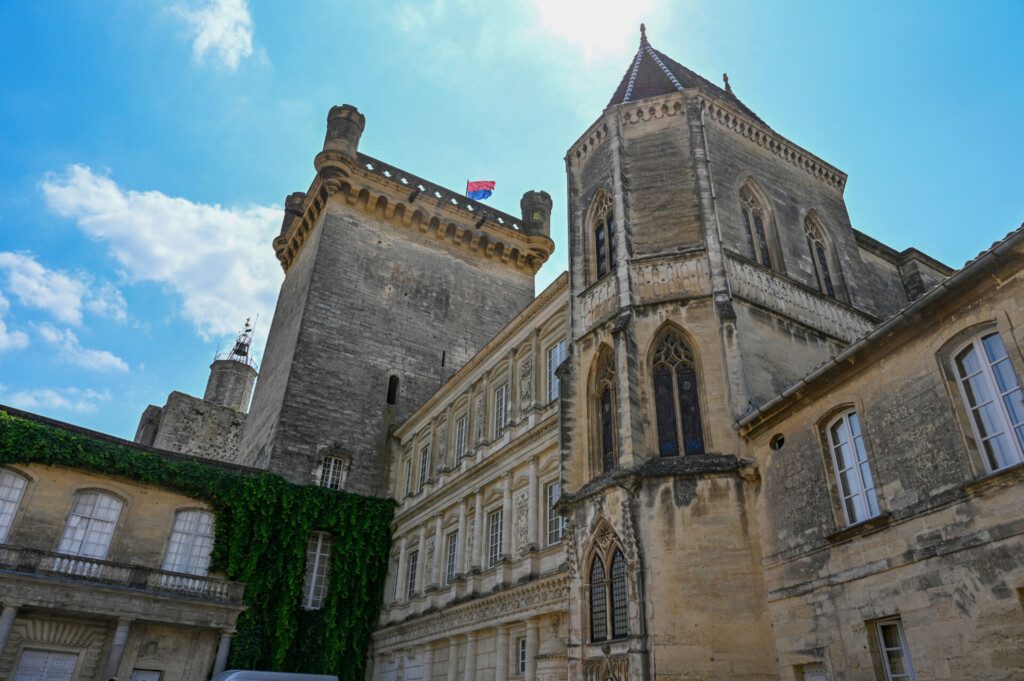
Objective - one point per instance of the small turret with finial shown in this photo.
(728, 88)
(643, 34)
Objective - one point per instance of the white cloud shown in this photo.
(10, 340)
(68, 349)
(35, 286)
(218, 260)
(220, 27)
(107, 301)
(82, 401)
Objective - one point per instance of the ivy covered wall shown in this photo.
(262, 526)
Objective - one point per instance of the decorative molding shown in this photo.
(673, 277)
(589, 141)
(651, 109)
(599, 303)
(607, 668)
(520, 503)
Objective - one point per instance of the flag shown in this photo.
(480, 189)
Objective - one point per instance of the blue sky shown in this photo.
(145, 148)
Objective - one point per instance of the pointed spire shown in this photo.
(643, 35)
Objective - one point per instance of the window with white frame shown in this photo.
(992, 393)
(452, 547)
(556, 355)
(521, 655)
(333, 472)
(413, 566)
(45, 665)
(892, 644)
(553, 521)
(318, 563)
(90, 525)
(408, 477)
(460, 437)
(424, 466)
(853, 472)
(12, 488)
(495, 528)
(501, 408)
(188, 549)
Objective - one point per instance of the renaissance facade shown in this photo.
(738, 439)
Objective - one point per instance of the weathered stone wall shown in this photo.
(230, 384)
(193, 426)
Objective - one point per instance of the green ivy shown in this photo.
(263, 523)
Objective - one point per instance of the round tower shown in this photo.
(233, 375)
(536, 208)
(344, 128)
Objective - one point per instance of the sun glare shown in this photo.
(598, 28)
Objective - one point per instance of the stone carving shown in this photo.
(521, 514)
(599, 302)
(480, 417)
(676, 278)
(428, 564)
(469, 541)
(572, 558)
(608, 668)
(526, 383)
(442, 447)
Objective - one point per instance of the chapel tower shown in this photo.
(391, 284)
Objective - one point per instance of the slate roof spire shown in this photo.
(652, 74)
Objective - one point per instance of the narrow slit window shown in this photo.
(819, 256)
(393, 389)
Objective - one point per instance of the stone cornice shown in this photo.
(409, 202)
(508, 604)
(732, 119)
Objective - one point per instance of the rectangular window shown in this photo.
(892, 644)
(414, 558)
(45, 665)
(460, 437)
(191, 542)
(556, 355)
(521, 656)
(424, 466)
(12, 487)
(408, 477)
(90, 525)
(452, 543)
(501, 408)
(853, 473)
(553, 521)
(494, 531)
(318, 563)
(332, 474)
(146, 675)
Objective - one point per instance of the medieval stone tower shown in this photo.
(391, 284)
(712, 264)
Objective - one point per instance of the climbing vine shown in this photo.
(263, 523)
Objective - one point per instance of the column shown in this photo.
(10, 611)
(506, 516)
(460, 543)
(400, 578)
(421, 559)
(478, 531)
(453, 659)
(223, 649)
(435, 572)
(533, 502)
(501, 654)
(116, 649)
(428, 662)
(532, 631)
(470, 674)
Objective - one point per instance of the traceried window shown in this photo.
(992, 393)
(605, 398)
(90, 525)
(424, 466)
(603, 227)
(460, 437)
(495, 528)
(188, 549)
(556, 355)
(414, 559)
(452, 542)
(553, 521)
(853, 473)
(676, 398)
(333, 472)
(819, 255)
(620, 610)
(318, 565)
(892, 644)
(598, 601)
(755, 219)
(501, 408)
(12, 488)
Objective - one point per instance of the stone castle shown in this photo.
(738, 439)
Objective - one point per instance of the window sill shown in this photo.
(863, 528)
(997, 480)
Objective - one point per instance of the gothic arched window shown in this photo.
(598, 601)
(620, 611)
(605, 407)
(676, 400)
(819, 255)
(755, 223)
(602, 224)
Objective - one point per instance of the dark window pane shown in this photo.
(665, 409)
(762, 241)
(607, 430)
(826, 278)
(748, 234)
(689, 410)
(611, 241)
(602, 255)
(598, 604)
(620, 611)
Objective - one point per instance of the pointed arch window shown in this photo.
(620, 610)
(819, 256)
(605, 407)
(603, 227)
(755, 221)
(676, 398)
(598, 601)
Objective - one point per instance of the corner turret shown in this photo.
(536, 209)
